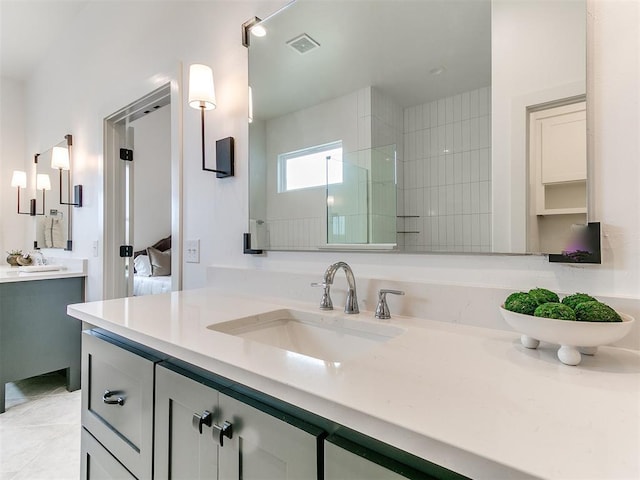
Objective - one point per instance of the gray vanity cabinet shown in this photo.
(36, 334)
(97, 463)
(346, 460)
(204, 433)
(117, 405)
(184, 444)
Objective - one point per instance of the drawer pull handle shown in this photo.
(198, 420)
(219, 432)
(106, 398)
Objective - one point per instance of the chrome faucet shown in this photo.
(351, 305)
(38, 257)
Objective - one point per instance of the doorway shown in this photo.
(143, 196)
(557, 156)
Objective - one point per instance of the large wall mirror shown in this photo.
(53, 228)
(418, 126)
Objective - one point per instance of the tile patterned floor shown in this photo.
(40, 430)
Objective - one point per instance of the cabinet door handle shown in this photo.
(219, 432)
(198, 420)
(106, 398)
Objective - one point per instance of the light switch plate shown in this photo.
(192, 251)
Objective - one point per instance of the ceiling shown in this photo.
(413, 51)
(29, 29)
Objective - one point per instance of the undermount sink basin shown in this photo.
(325, 337)
(39, 268)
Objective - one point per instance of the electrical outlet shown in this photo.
(192, 251)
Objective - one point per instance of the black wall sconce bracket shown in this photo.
(224, 158)
(246, 242)
(586, 248)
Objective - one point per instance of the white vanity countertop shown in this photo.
(14, 274)
(470, 399)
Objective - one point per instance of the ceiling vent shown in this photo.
(303, 44)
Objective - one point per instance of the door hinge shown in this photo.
(126, 251)
(126, 154)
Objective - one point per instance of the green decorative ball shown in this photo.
(521, 302)
(555, 310)
(542, 296)
(576, 299)
(596, 312)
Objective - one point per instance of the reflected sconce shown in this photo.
(202, 96)
(60, 160)
(252, 27)
(250, 105)
(19, 180)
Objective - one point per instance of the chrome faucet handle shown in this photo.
(382, 309)
(325, 301)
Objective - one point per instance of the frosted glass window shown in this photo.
(310, 167)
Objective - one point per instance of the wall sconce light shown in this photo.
(19, 180)
(252, 27)
(60, 159)
(202, 95)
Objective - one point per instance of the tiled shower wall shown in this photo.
(447, 174)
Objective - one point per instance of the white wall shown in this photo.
(98, 76)
(16, 231)
(152, 178)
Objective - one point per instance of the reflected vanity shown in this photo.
(418, 126)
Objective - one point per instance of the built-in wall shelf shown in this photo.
(563, 211)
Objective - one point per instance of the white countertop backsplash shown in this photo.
(462, 304)
(469, 398)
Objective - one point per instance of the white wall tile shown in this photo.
(442, 170)
(457, 168)
(426, 115)
(442, 231)
(484, 165)
(475, 197)
(457, 137)
(466, 167)
(465, 106)
(466, 198)
(484, 131)
(450, 199)
(485, 197)
(448, 109)
(433, 114)
(474, 133)
(442, 112)
(442, 139)
(457, 108)
(450, 177)
(466, 135)
(475, 165)
(473, 104)
(434, 141)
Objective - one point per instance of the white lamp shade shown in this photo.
(201, 90)
(43, 182)
(19, 179)
(60, 158)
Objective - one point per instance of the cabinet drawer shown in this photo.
(117, 401)
(97, 463)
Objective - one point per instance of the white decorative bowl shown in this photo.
(573, 337)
